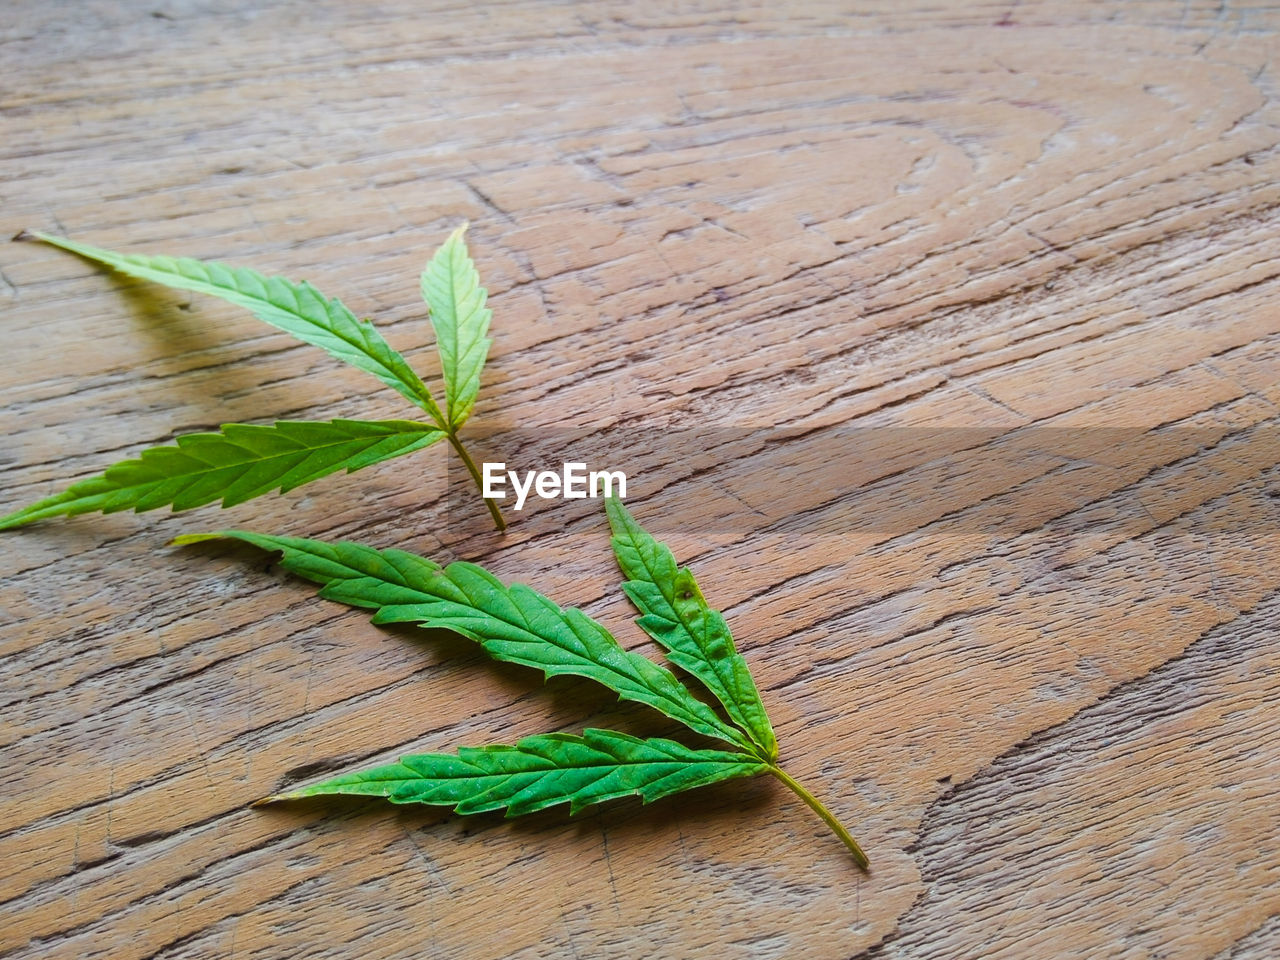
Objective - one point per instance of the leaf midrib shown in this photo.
(736, 758)
(452, 377)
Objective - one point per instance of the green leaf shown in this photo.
(297, 308)
(674, 613)
(520, 626)
(236, 464)
(451, 288)
(542, 771)
(514, 623)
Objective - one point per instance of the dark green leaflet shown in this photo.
(234, 465)
(696, 637)
(542, 771)
(512, 623)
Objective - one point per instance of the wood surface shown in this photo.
(964, 318)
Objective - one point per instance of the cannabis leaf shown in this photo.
(542, 771)
(242, 461)
(516, 624)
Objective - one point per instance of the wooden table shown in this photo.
(942, 339)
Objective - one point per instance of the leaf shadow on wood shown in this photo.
(165, 311)
(174, 321)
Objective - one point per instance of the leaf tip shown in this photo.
(32, 236)
(184, 539)
(274, 798)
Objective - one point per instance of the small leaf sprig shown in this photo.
(518, 625)
(243, 461)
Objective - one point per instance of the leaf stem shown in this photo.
(828, 817)
(494, 512)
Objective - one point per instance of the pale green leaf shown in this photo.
(451, 288)
(696, 638)
(297, 308)
(542, 771)
(512, 623)
(234, 465)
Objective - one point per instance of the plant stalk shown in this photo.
(470, 464)
(828, 817)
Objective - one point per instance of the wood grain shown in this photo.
(942, 339)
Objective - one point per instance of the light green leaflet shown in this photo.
(240, 461)
(451, 286)
(296, 308)
(518, 625)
